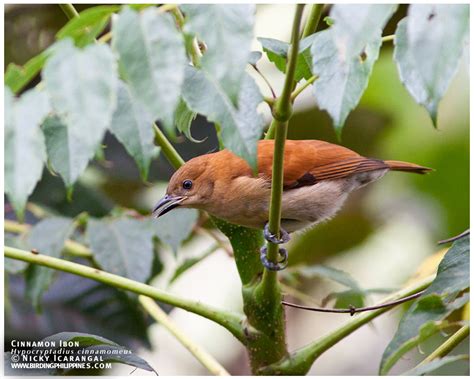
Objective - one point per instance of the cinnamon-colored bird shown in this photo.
(318, 177)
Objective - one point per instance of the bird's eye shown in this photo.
(187, 184)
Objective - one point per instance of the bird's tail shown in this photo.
(408, 167)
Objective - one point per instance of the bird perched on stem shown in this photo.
(318, 177)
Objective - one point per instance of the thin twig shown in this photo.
(265, 80)
(455, 238)
(353, 310)
(297, 91)
(199, 353)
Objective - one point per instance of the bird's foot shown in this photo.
(272, 266)
(284, 236)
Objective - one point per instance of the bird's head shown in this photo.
(191, 186)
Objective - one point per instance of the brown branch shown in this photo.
(352, 310)
(455, 238)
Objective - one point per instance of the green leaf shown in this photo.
(352, 36)
(344, 55)
(333, 274)
(24, 145)
(228, 41)
(277, 52)
(152, 58)
(240, 128)
(435, 305)
(17, 77)
(47, 237)
(82, 87)
(90, 23)
(132, 125)
(93, 345)
(183, 119)
(427, 31)
(438, 363)
(165, 227)
(122, 246)
(342, 79)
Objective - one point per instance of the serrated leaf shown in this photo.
(184, 117)
(17, 77)
(228, 41)
(354, 36)
(132, 125)
(48, 238)
(428, 30)
(344, 55)
(240, 128)
(277, 52)
(122, 246)
(88, 25)
(435, 304)
(24, 145)
(342, 79)
(93, 345)
(82, 87)
(437, 364)
(152, 57)
(174, 227)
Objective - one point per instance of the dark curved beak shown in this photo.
(166, 204)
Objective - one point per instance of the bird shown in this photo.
(318, 176)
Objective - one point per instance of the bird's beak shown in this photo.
(166, 204)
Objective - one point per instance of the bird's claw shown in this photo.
(284, 236)
(272, 266)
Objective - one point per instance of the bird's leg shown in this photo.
(271, 265)
(284, 238)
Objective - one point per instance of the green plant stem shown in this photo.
(388, 38)
(300, 361)
(281, 114)
(297, 91)
(69, 10)
(313, 20)
(168, 150)
(230, 320)
(199, 353)
(448, 345)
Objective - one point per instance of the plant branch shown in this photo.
(282, 112)
(297, 91)
(313, 20)
(230, 320)
(455, 238)
(69, 11)
(353, 310)
(267, 82)
(302, 359)
(448, 345)
(168, 150)
(199, 353)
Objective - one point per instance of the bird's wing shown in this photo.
(308, 162)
